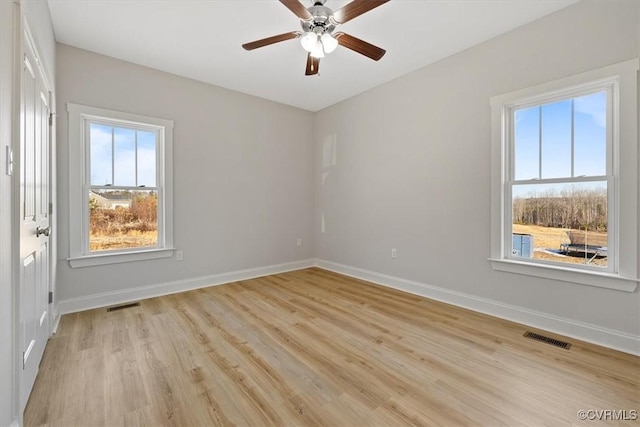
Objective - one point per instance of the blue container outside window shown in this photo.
(523, 245)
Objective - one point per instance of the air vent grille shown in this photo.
(548, 340)
(123, 306)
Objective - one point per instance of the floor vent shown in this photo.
(123, 306)
(548, 340)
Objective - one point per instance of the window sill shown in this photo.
(590, 278)
(115, 258)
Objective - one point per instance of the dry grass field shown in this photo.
(551, 238)
(100, 241)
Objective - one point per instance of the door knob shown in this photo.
(41, 231)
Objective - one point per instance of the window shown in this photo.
(564, 182)
(559, 171)
(120, 186)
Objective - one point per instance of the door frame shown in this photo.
(18, 19)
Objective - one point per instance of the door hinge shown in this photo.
(50, 297)
(50, 208)
(50, 119)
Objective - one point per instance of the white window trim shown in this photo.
(78, 255)
(624, 274)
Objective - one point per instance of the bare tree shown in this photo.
(575, 208)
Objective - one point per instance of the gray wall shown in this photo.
(37, 15)
(243, 187)
(412, 166)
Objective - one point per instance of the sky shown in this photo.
(589, 128)
(113, 156)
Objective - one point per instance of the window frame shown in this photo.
(80, 116)
(620, 82)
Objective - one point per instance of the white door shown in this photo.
(34, 220)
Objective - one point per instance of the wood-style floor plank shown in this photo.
(315, 348)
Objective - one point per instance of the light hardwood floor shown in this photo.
(315, 348)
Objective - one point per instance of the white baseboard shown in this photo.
(583, 331)
(106, 299)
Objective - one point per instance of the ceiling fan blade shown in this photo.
(355, 9)
(313, 64)
(360, 46)
(271, 40)
(298, 8)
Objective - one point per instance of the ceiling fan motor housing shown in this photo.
(320, 21)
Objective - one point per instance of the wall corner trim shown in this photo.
(105, 299)
(579, 330)
(56, 321)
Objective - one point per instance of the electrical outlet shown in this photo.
(299, 243)
(179, 255)
(394, 253)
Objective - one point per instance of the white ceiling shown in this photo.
(202, 40)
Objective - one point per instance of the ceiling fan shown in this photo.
(318, 37)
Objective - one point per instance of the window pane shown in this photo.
(122, 219)
(527, 143)
(101, 153)
(556, 140)
(147, 158)
(564, 223)
(124, 165)
(590, 135)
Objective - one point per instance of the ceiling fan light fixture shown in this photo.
(329, 42)
(318, 51)
(309, 41)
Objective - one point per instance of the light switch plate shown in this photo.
(9, 157)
